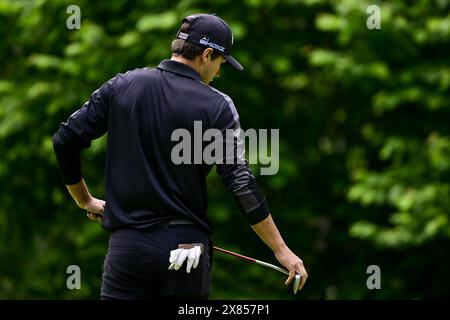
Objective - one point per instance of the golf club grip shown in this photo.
(234, 254)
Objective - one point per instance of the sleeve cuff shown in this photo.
(258, 214)
(69, 161)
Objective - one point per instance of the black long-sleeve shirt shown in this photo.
(139, 110)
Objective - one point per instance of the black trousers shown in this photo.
(137, 262)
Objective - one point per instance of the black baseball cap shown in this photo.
(210, 31)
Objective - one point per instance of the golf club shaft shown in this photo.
(265, 264)
(262, 263)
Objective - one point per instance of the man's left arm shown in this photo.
(94, 207)
(86, 124)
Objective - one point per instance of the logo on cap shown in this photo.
(205, 41)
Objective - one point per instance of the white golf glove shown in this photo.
(178, 256)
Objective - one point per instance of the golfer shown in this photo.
(156, 208)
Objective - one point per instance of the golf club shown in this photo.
(262, 263)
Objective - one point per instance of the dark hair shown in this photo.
(188, 50)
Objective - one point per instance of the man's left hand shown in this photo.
(95, 208)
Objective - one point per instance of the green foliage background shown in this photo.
(364, 140)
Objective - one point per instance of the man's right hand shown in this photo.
(268, 232)
(294, 265)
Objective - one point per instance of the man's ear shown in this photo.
(207, 54)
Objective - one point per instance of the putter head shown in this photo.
(297, 282)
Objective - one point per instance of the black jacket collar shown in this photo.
(179, 68)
